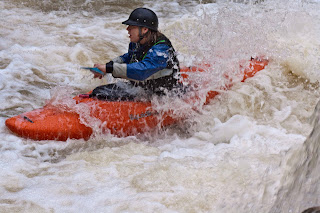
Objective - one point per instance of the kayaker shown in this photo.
(150, 63)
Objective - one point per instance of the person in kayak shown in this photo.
(150, 63)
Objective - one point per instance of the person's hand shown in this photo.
(101, 67)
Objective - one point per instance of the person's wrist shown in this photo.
(109, 67)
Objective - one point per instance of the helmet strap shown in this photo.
(141, 36)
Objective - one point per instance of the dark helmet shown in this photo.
(143, 17)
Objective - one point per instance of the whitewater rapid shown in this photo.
(249, 150)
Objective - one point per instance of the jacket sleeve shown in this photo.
(154, 61)
(127, 56)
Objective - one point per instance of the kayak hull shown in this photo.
(118, 118)
(48, 124)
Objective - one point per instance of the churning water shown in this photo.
(252, 149)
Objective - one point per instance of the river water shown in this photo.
(249, 150)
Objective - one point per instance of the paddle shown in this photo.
(94, 70)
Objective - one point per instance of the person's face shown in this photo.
(133, 32)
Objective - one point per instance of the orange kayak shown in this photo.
(121, 118)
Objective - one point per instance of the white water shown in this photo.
(247, 151)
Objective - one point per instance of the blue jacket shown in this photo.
(153, 61)
(152, 67)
